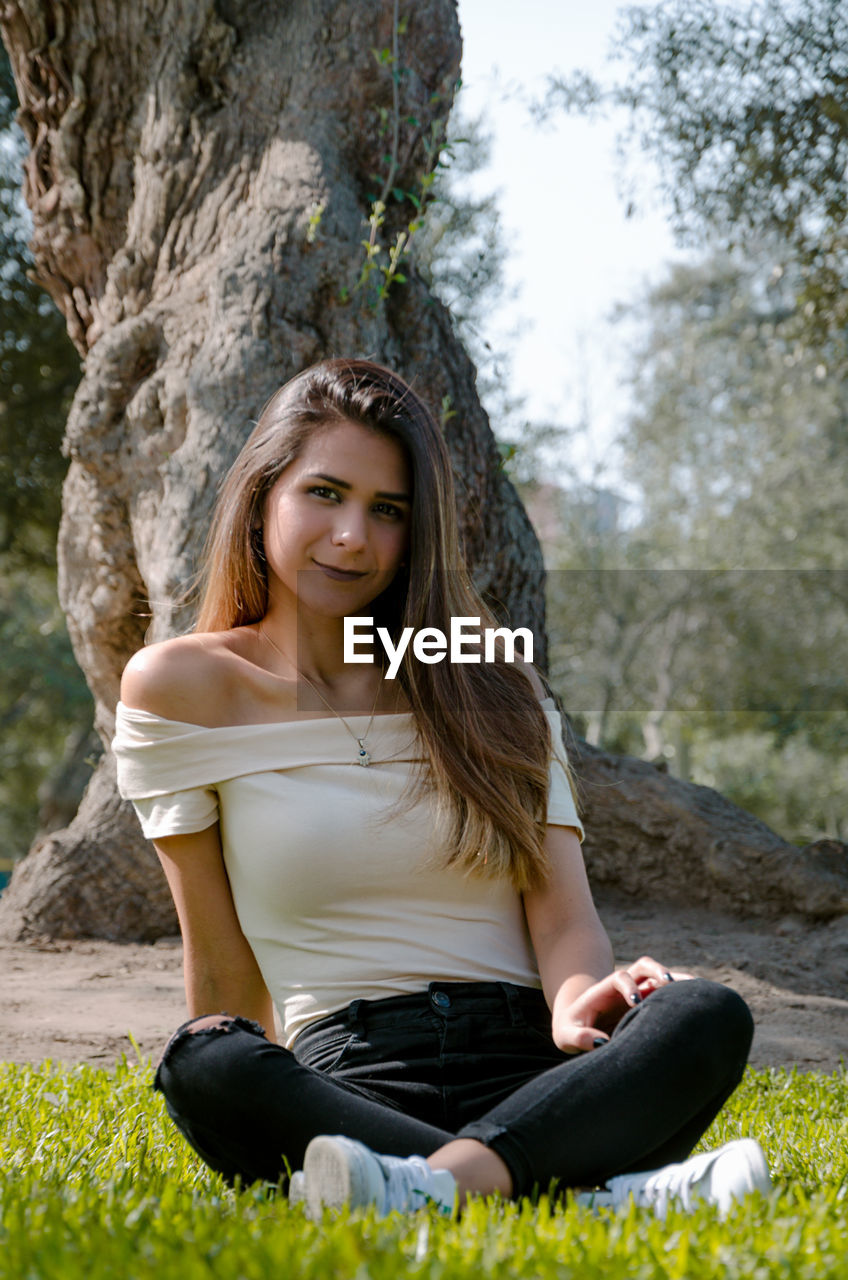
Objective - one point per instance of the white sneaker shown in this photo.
(719, 1177)
(340, 1172)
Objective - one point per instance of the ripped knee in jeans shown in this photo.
(207, 1024)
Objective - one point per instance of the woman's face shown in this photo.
(336, 522)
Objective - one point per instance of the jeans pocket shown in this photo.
(539, 1039)
(323, 1050)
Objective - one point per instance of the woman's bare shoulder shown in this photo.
(528, 670)
(186, 678)
(536, 684)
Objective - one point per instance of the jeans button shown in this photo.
(441, 999)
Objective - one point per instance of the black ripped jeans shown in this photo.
(473, 1060)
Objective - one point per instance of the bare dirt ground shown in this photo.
(83, 1001)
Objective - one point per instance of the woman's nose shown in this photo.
(349, 530)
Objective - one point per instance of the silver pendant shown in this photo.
(364, 758)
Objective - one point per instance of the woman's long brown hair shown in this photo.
(484, 733)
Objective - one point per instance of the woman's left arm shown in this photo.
(587, 997)
(572, 949)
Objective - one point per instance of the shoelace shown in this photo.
(406, 1182)
(673, 1180)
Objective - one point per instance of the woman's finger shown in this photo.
(573, 1038)
(626, 984)
(647, 967)
(650, 974)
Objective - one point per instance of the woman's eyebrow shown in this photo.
(345, 484)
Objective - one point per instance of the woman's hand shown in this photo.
(589, 1021)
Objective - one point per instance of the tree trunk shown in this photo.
(59, 793)
(179, 151)
(97, 877)
(200, 176)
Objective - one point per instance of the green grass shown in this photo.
(95, 1182)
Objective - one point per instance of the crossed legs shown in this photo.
(250, 1108)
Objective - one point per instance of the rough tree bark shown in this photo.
(179, 149)
(664, 839)
(179, 152)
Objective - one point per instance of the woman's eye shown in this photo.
(387, 509)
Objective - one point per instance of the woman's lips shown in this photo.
(340, 575)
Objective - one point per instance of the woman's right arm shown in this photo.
(220, 969)
(183, 678)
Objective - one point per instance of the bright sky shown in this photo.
(574, 254)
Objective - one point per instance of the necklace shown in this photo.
(363, 757)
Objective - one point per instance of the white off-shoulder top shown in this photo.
(339, 897)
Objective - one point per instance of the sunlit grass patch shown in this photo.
(97, 1183)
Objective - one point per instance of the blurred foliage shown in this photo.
(44, 701)
(746, 112)
(737, 446)
(740, 431)
(733, 679)
(461, 254)
(719, 608)
(794, 786)
(39, 369)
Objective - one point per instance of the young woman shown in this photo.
(394, 865)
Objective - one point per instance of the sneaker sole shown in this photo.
(337, 1177)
